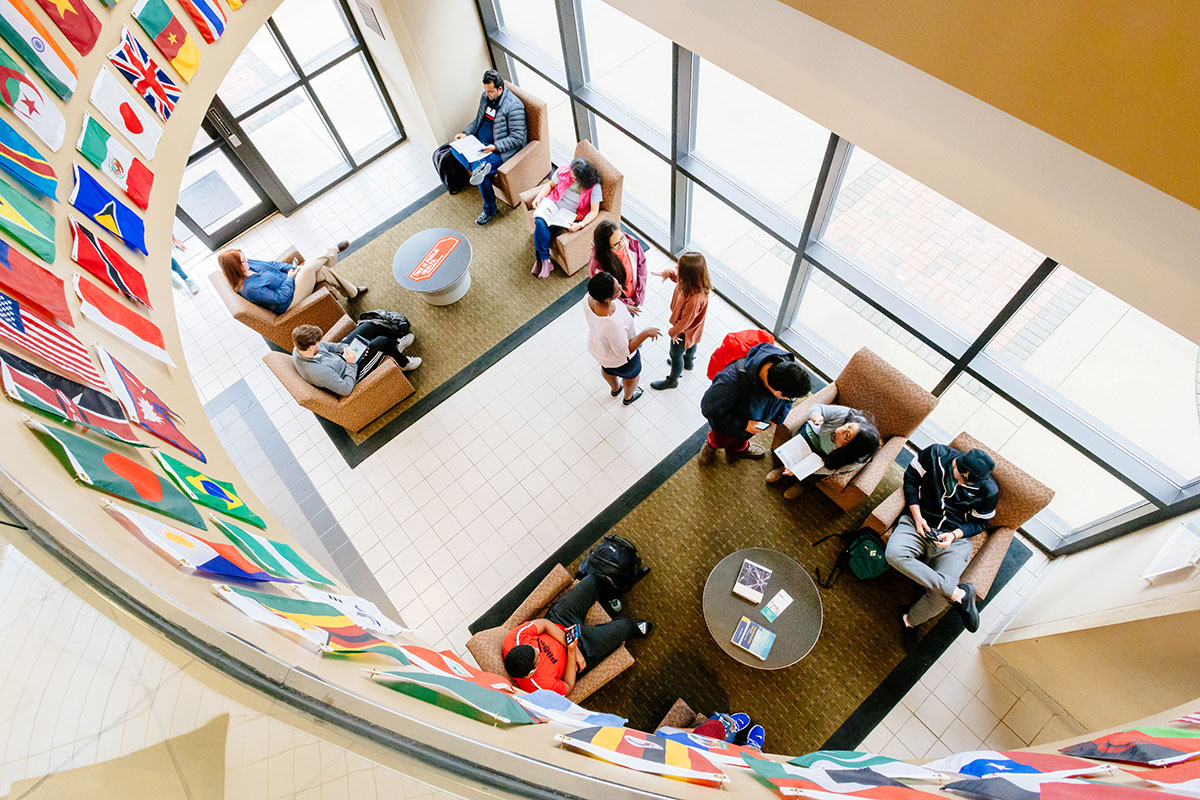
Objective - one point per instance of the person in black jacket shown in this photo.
(749, 395)
(950, 497)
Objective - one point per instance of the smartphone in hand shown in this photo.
(762, 426)
(572, 634)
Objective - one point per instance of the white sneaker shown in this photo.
(404, 342)
(176, 281)
(192, 286)
(413, 363)
(480, 172)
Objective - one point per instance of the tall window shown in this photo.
(628, 62)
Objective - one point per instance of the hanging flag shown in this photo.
(264, 616)
(30, 104)
(143, 406)
(109, 3)
(105, 263)
(207, 16)
(829, 760)
(21, 160)
(718, 751)
(26, 222)
(989, 763)
(644, 752)
(342, 637)
(110, 213)
(206, 491)
(1184, 777)
(553, 707)
(115, 473)
(64, 399)
(29, 37)
(136, 123)
(33, 284)
(1152, 745)
(794, 781)
(277, 558)
(1038, 787)
(1190, 719)
(121, 321)
(446, 663)
(361, 612)
(148, 79)
(24, 328)
(169, 36)
(75, 20)
(455, 694)
(112, 158)
(234, 5)
(187, 550)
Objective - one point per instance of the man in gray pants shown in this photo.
(950, 497)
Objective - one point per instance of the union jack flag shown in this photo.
(154, 85)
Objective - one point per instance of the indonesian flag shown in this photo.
(121, 321)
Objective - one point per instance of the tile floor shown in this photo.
(455, 509)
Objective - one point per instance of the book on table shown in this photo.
(798, 458)
(778, 603)
(753, 638)
(752, 581)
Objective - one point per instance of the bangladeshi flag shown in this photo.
(95, 255)
(1155, 746)
(32, 283)
(75, 20)
(114, 473)
(169, 36)
(200, 488)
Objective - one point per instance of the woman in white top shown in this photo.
(611, 337)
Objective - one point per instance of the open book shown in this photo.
(469, 147)
(554, 214)
(798, 457)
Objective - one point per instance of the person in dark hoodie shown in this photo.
(949, 497)
(748, 396)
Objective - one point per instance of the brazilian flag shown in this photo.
(200, 488)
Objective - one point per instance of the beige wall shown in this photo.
(1135, 241)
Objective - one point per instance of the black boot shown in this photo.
(669, 382)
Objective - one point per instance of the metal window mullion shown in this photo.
(685, 90)
(361, 46)
(491, 15)
(570, 34)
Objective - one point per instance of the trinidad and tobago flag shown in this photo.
(644, 752)
(1155, 746)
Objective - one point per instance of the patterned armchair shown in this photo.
(1021, 497)
(532, 162)
(896, 402)
(486, 646)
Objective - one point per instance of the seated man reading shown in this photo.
(339, 366)
(536, 653)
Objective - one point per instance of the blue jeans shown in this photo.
(485, 188)
(542, 235)
(680, 354)
(178, 270)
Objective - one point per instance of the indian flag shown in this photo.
(169, 36)
(21, 28)
(113, 159)
(275, 557)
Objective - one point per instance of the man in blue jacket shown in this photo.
(950, 497)
(748, 396)
(500, 125)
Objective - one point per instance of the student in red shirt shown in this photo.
(536, 653)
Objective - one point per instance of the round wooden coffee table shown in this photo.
(434, 263)
(797, 628)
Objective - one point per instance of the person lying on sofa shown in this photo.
(339, 366)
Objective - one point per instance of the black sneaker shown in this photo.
(484, 218)
(645, 628)
(967, 608)
(638, 392)
(910, 639)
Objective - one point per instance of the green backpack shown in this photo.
(864, 555)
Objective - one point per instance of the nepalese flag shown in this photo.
(835, 784)
(64, 399)
(829, 760)
(1184, 777)
(33, 284)
(718, 751)
(207, 16)
(148, 79)
(169, 36)
(143, 406)
(1155, 746)
(361, 611)
(27, 330)
(553, 707)
(133, 121)
(75, 20)
(30, 104)
(26, 222)
(121, 321)
(989, 763)
(94, 255)
(446, 663)
(187, 550)
(644, 752)
(278, 558)
(21, 160)
(1036, 787)
(110, 213)
(455, 694)
(206, 491)
(21, 28)
(112, 158)
(114, 473)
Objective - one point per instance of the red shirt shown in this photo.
(552, 658)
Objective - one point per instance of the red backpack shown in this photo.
(734, 346)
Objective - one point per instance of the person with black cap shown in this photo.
(950, 497)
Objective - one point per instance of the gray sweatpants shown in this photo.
(937, 569)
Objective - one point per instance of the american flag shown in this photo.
(132, 61)
(1191, 719)
(46, 340)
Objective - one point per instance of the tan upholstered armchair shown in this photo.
(532, 162)
(486, 646)
(1021, 496)
(319, 308)
(896, 402)
(378, 392)
(571, 249)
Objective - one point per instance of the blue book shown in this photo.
(753, 638)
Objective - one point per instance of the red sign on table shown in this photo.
(434, 258)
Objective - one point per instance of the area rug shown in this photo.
(504, 306)
(684, 519)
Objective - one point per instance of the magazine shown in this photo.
(753, 638)
(778, 603)
(752, 581)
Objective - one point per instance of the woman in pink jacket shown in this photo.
(568, 202)
(622, 257)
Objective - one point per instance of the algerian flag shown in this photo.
(275, 557)
(830, 760)
(30, 104)
(113, 159)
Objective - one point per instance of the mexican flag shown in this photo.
(207, 491)
(169, 36)
(113, 159)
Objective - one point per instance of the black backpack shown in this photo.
(864, 555)
(617, 565)
(397, 324)
(453, 174)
